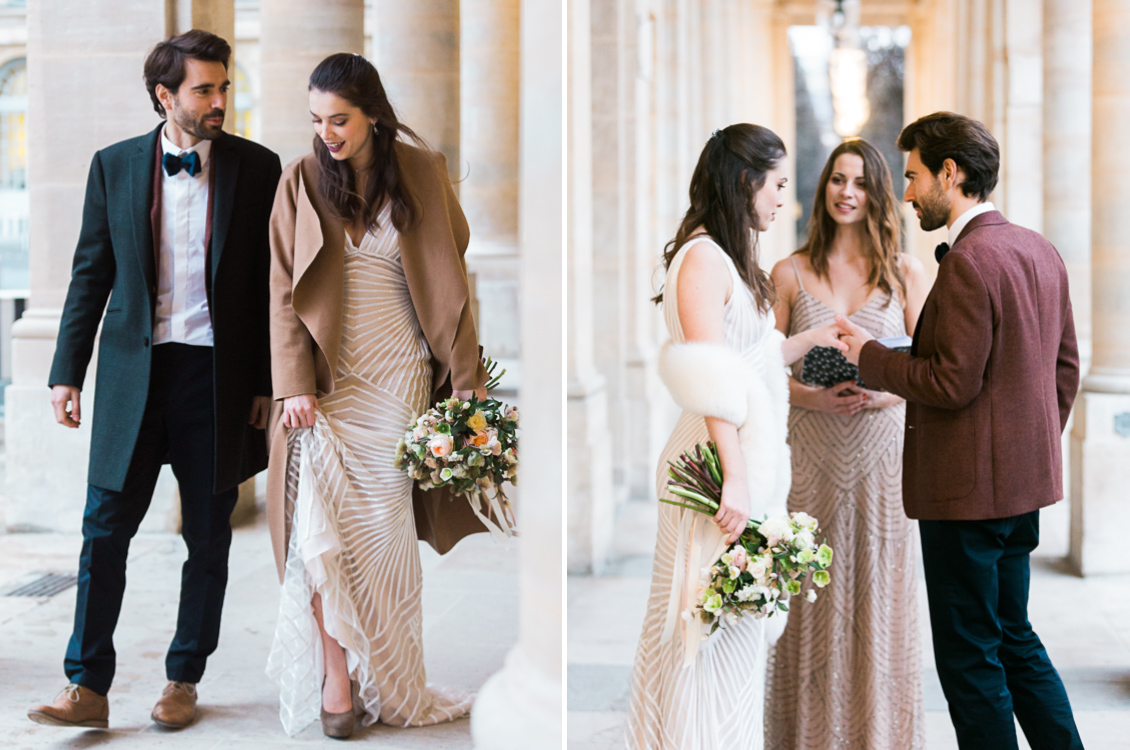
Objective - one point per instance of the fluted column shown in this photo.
(520, 706)
(416, 50)
(1100, 445)
(489, 63)
(1022, 160)
(589, 474)
(1067, 146)
(295, 36)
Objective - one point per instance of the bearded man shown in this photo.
(989, 383)
(174, 235)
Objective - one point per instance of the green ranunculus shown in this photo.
(713, 603)
(824, 555)
(804, 556)
(821, 578)
(793, 587)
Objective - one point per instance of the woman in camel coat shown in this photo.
(370, 325)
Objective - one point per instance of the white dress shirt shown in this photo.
(182, 300)
(965, 218)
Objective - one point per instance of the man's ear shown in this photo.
(953, 174)
(164, 96)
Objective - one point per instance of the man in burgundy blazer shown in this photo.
(989, 384)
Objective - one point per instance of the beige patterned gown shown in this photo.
(353, 536)
(846, 673)
(716, 702)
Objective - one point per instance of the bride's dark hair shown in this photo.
(354, 79)
(731, 169)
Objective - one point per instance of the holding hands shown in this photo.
(854, 337)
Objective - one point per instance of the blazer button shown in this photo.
(145, 341)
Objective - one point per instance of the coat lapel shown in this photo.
(227, 173)
(140, 201)
(308, 236)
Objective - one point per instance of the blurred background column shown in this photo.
(520, 706)
(1100, 445)
(296, 35)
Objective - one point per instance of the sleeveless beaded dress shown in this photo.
(847, 673)
(716, 703)
(353, 534)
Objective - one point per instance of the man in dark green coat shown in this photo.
(174, 237)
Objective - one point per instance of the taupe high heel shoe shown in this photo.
(338, 726)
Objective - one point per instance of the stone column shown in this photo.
(1022, 158)
(107, 41)
(611, 216)
(295, 36)
(488, 146)
(1100, 438)
(645, 397)
(589, 473)
(416, 50)
(520, 706)
(1067, 147)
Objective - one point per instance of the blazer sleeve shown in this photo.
(467, 369)
(963, 337)
(263, 379)
(292, 346)
(1067, 369)
(92, 278)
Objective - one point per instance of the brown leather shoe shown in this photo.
(76, 706)
(176, 708)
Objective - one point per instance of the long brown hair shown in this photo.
(884, 233)
(354, 79)
(731, 169)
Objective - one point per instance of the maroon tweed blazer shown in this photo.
(990, 378)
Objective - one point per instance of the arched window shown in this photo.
(244, 104)
(13, 125)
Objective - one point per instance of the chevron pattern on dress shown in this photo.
(846, 673)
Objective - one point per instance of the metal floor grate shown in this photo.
(44, 584)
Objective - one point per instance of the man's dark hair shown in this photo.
(165, 64)
(945, 135)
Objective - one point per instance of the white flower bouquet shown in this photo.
(765, 566)
(471, 447)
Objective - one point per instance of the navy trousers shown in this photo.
(178, 428)
(991, 663)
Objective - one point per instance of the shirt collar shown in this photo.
(965, 218)
(203, 149)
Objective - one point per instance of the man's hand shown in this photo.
(65, 402)
(854, 336)
(260, 407)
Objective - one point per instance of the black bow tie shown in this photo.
(941, 250)
(190, 163)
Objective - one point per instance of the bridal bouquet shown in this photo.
(767, 563)
(470, 447)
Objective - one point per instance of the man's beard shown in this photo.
(199, 128)
(935, 210)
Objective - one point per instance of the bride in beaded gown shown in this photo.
(846, 673)
(369, 310)
(689, 694)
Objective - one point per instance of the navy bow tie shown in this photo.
(190, 163)
(941, 250)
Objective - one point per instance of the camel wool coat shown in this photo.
(306, 290)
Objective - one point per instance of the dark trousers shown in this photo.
(990, 661)
(178, 426)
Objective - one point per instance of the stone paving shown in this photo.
(1084, 623)
(470, 622)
